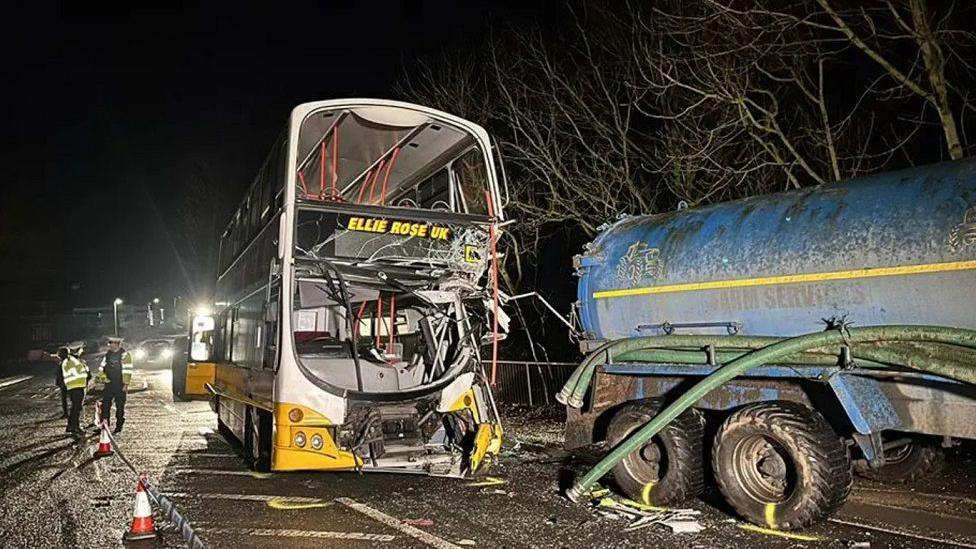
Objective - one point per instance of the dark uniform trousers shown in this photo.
(114, 391)
(59, 381)
(76, 396)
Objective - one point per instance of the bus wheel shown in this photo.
(257, 443)
(780, 464)
(666, 470)
(911, 460)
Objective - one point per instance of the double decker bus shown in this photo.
(354, 298)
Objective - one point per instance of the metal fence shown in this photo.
(531, 383)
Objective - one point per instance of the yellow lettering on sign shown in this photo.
(402, 228)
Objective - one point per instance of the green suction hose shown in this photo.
(768, 354)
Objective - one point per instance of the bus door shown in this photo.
(198, 367)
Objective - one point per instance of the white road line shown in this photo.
(392, 522)
(220, 472)
(320, 534)
(900, 533)
(246, 497)
(168, 407)
(8, 381)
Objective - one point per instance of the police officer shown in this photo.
(74, 372)
(59, 381)
(117, 368)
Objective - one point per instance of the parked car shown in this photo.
(152, 350)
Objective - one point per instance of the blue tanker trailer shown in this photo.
(667, 299)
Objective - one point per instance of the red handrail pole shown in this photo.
(322, 170)
(389, 168)
(492, 236)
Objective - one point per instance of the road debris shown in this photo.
(680, 521)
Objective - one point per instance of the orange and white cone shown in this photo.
(143, 526)
(104, 442)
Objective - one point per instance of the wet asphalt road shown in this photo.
(54, 494)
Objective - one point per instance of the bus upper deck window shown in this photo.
(472, 181)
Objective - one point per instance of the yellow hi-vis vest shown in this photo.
(126, 368)
(75, 373)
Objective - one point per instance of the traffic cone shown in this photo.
(104, 442)
(142, 517)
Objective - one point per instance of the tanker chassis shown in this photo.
(883, 266)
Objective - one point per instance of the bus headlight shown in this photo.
(300, 439)
(316, 442)
(140, 354)
(167, 353)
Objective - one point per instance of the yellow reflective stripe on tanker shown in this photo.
(790, 279)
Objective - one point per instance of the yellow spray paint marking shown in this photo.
(489, 481)
(779, 533)
(641, 506)
(283, 504)
(771, 515)
(261, 476)
(646, 493)
(607, 502)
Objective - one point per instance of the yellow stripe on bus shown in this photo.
(789, 279)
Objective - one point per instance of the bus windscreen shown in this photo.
(390, 156)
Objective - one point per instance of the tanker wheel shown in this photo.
(669, 468)
(914, 460)
(780, 465)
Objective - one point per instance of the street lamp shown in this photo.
(149, 311)
(115, 314)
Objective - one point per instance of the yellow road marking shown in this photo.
(779, 533)
(790, 279)
(489, 481)
(282, 503)
(771, 515)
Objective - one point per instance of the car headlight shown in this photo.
(300, 439)
(316, 442)
(167, 353)
(140, 354)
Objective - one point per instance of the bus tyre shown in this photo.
(909, 462)
(257, 444)
(669, 468)
(781, 465)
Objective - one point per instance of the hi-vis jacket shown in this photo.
(75, 373)
(117, 366)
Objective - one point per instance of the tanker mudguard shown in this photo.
(894, 248)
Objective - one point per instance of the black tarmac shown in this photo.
(54, 493)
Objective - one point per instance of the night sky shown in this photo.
(110, 111)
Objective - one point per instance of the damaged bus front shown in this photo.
(360, 348)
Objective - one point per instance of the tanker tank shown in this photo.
(894, 248)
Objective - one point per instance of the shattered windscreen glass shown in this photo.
(390, 156)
